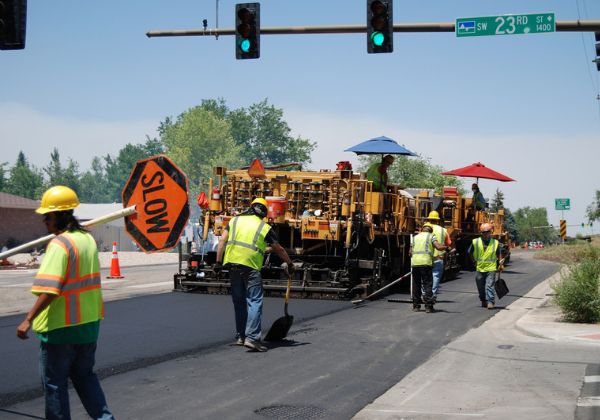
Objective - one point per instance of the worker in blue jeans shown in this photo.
(241, 249)
(485, 253)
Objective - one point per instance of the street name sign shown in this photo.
(506, 25)
(562, 204)
(159, 190)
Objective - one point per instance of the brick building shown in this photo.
(19, 223)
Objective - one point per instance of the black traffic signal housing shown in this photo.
(13, 20)
(247, 30)
(597, 59)
(380, 26)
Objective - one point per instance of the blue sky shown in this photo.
(90, 81)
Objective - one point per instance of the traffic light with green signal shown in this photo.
(13, 20)
(247, 30)
(380, 26)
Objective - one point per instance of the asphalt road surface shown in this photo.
(338, 357)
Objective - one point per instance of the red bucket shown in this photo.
(276, 208)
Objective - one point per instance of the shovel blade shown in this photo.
(280, 328)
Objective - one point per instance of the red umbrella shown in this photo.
(478, 170)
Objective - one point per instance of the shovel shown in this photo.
(281, 326)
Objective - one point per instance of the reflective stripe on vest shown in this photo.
(246, 242)
(485, 257)
(440, 234)
(422, 250)
(76, 282)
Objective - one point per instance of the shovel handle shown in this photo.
(287, 294)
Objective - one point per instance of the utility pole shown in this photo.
(561, 26)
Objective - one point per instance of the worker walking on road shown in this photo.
(377, 173)
(421, 252)
(443, 237)
(485, 253)
(66, 315)
(244, 242)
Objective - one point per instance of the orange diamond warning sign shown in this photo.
(158, 189)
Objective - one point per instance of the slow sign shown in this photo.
(158, 188)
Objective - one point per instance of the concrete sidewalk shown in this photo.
(523, 363)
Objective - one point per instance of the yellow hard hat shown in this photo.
(434, 215)
(58, 198)
(259, 200)
(427, 224)
(486, 227)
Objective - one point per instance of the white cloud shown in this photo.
(24, 129)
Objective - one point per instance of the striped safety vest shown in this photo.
(422, 250)
(485, 257)
(440, 234)
(71, 271)
(246, 241)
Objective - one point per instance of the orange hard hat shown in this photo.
(486, 227)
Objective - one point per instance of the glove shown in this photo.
(289, 268)
(217, 267)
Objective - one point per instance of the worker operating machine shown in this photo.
(346, 240)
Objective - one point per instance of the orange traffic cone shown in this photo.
(115, 271)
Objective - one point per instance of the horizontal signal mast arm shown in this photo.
(565, 25)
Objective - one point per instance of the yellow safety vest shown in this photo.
(71, 270)
(422, 250)
(440, 234)
(246, 241)
(485, 257)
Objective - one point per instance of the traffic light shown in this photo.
(13, 19)
(597, 59)
(247, 30)
(380, 26)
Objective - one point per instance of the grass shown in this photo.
(577, 294)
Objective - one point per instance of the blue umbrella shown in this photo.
(380, 146)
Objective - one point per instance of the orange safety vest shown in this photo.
(71, 271)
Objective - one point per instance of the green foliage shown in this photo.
(531, 225)
(497, 201)
(24, 179)
(414, 172)
(198, 141)
(578, 292)
(57, 175)
(262, 133)
(593, 210)
(510, 225)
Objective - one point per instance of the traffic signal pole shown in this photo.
(561, 26)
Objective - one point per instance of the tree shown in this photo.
(532, 225)
(263, 134)
(593, 210)
(198, 141)
(93, 184)
(25, 180)
(3, 176)
(118, 169)
(414, 172)
(510, 225)
(68, 176)
(497, 202)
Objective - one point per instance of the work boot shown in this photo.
(416, 308)
(429, 309)
(254, 345)
(483, 304)
(490, 305)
